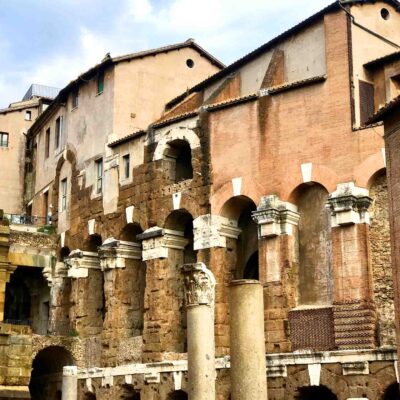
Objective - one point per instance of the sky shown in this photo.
(50, 42)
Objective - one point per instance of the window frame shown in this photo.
(47, 143)
(4, 144)
(126, 162)
(28, 115)
(75, 99)
(59, 130)
(99, 171)
(100, 82)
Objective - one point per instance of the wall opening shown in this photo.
(27, 299)
(64, 252)
(46, 376)
(240, 208)
(392, 392)
(129, 393)
(315, 393)
(89, 396)
(92, 243)
(178, 395)
(179, 156)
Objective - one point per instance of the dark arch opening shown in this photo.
(92, 243)
(178, 395)
(89, 396)
(47, 369)
(179, 154)
(130, 231)
(251, 270)
(64, 252)
(392, 392)
(129, 393)
(315, 393)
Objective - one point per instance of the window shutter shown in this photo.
(366, 101)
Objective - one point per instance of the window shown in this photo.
(3, 139)
(75, 98)
(366, 101)
(59, 128)
(99, 175)
(47, 144)
(126, 165)
(28, 115)
(100, 82)
(64, 194)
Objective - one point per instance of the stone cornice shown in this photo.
(79, 262)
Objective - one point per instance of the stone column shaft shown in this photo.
(248, 362)
(70, 384)
(199, 294)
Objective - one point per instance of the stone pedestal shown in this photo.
(248, 363)
(353, 293)
(70, 383)
(199, 298)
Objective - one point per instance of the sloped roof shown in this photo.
(383, 60)
(383, 111)
(273, 42)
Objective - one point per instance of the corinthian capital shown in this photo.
(199, 285)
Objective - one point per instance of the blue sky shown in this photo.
(51, 41)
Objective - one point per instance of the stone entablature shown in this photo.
(113, 253)
(349, 205)
(275, 217)
(79, 262)
(157, 241)
(199, 285)
(213, 230)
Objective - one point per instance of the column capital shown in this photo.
(70, 370)
(79, 262)
(199, 284)
(157, 241)
(113, 253)
(213, 230)
(349, 205)
(275, 217)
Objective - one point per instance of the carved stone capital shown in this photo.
(113, 253)
(213, 230)
(275, 217)
(199, 285)
(157, 241)
(349, 205)
(79, 262)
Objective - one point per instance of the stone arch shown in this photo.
(315, 393)
(381, 262)
(315, 245)
(240, 208)
(367, 169)
(130, 231)
(92, 242)
(178, 133)
(178, 395)
(47, 370)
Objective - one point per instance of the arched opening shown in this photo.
(315, 245)
(179, 156)
(27, 299)
(315, 393)
(178, 395)
(392, 392)
(240, 208)
(47, 369)
(92, 243)
(129, 393)
(381, 262)
(130, 231)
(89, 396)
(64, 252)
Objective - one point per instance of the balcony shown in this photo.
(31, 223)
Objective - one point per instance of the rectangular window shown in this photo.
(366, 101)
(75, 98)
(126, 165)
(59, 129)
(3, 139)
(47, 144)
(28, 115)
(64, 194)
(100, 82)
(99, 175)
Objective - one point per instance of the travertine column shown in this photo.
(353, 294)
(6, 269)
(70, 383)
(199, 296)
(248, 363)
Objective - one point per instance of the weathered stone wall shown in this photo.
(381, 261)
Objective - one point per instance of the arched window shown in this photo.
(178, 395)
(315, 393)
(179, 155)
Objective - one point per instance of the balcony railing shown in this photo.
(23, 219)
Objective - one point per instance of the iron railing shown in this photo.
(23, 219)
